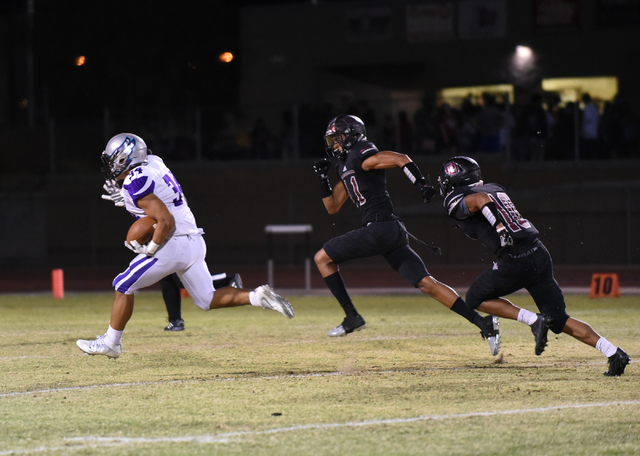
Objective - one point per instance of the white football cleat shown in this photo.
(269, 299)
(98, 346)
(491, 333)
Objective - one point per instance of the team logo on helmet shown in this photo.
(126, 147)
(452, 168)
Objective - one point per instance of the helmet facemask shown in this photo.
(345, 131)
(123, 152)
(333, 140)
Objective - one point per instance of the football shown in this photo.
(141, 230)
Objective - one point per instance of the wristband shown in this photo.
(490, 212)
(152, 247)
(413, 173)
(325, 187)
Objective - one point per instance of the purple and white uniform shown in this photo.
(183, 253)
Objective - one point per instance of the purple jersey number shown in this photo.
(175, 186)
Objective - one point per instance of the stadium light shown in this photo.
(226, 57)
(524, 52)
(523, 67)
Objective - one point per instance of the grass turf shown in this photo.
(418, 380)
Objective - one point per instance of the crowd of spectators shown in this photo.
(535, 128)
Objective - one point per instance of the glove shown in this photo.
(321, 167)
(428, 191)
(505, 237)
(114, 193)
(149, 249)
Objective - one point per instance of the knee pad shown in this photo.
(472, 301)
(559, 321)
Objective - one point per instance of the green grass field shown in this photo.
(418, 380)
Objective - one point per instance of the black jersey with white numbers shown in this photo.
(476, 226)
(367, 189)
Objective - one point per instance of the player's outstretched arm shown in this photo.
(389, 159)
(385, 159)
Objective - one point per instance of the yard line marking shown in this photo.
(93, 441)
(166, 382)
(275, 377)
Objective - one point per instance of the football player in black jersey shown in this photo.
(485, 212)
(361, 168)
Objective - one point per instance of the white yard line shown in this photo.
(77, 443)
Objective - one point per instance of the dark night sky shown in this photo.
(151, 53)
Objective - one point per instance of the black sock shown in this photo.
(460, 307)
(339, 290)
(170, 286)
(221, 281)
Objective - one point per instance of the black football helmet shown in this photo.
(458, 171)
(344, 130)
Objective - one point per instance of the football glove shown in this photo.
(321, 167)
(505, 237)
(428, 191)
(149, 249)
(114, 193)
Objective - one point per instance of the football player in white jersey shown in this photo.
(170, 285)
(150, 189)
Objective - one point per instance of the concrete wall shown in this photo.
(587, 214)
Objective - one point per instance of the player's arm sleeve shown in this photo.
(456, 207)
(139, 187)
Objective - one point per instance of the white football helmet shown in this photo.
(123, 152)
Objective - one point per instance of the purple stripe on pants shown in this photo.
(136, 269)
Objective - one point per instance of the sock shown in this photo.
(113, 337)
(170, 287)
(527, 317)
(460, 307)
(220, 280)
(336, 285)
(606, 347)
(222, 275)
(253, 299)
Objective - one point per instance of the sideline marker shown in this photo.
(57, 283)
(184, 293)
(605, 285)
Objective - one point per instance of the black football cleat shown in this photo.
(175, 325)
(235, 281)
(540, 329)
(617, 362)
(348, 326)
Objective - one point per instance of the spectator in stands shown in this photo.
(562, 143)
(448, 126)
(467, 135)
(262, 143)
(388, 134)
(535, 127)
(490, 120)
(425, 126)
(589, 125)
